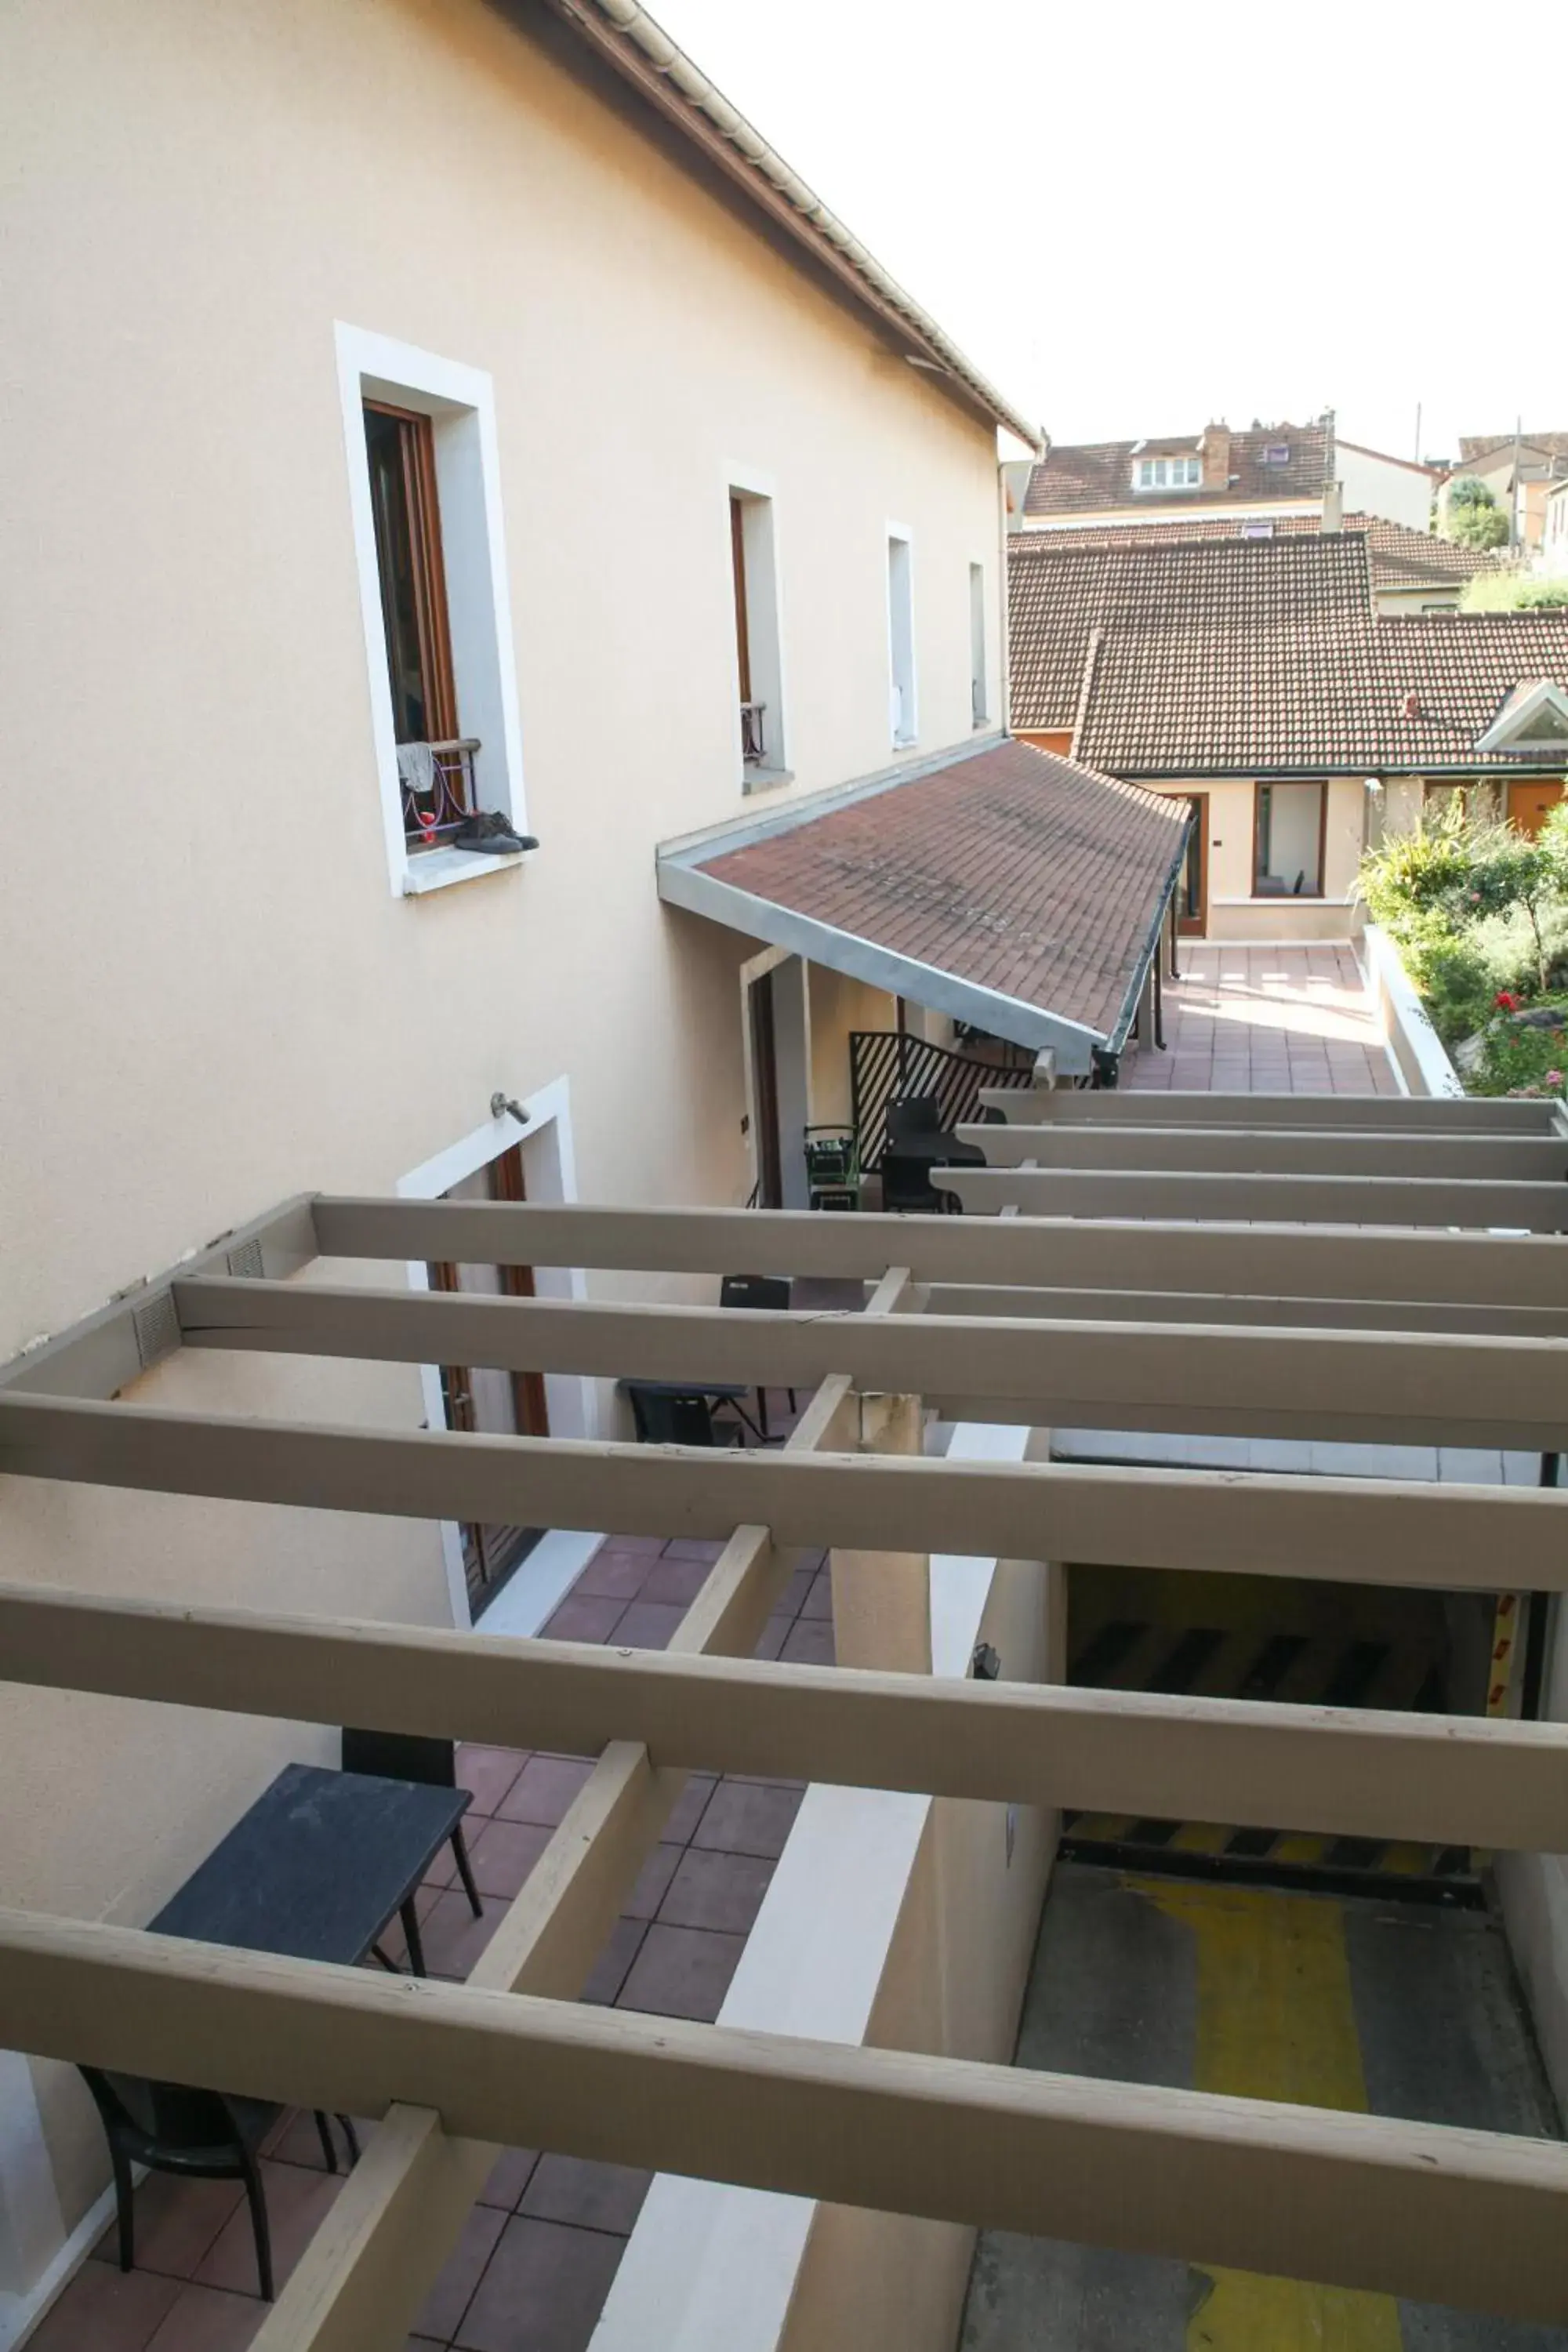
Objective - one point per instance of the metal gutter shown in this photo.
(643, 53)
(739, 833)
(1152, 945)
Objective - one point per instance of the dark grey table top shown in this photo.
(318, 1866)
(689, 1388)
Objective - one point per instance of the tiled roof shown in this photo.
(1012, 870)
(1222, 656)
(1401, 557)
(1079, 479)
(1483, 445)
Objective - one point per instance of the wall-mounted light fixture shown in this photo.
(500, 1104)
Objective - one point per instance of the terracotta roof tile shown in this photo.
(1012, 870)
(1222, 656)
(1401, 557)
(1078, 478)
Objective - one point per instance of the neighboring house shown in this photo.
(1520, 477)
(1411, 570)
(1555, 530)
(1255, 679)
(456, 414)
(1267, 474)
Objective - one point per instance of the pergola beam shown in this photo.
(1305, 1114)
(1377, 1531)
(1387, 1202)
(1275, 1257)
(1459, 1781)
(1409, 1388)
(1274, 1152)
(1421, 2211)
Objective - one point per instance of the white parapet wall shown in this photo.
(855, 1926)
(1423, 1066)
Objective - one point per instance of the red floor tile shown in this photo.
(608, 1973)
(503, 1853)
(175, 2222)
(543, 2290)
(105, 2310)
(584, 1617)
(676, 1580)
(296, 2203)
(591, 2196)
(808, 1642)
(744, 1817)
(546, 1789)
(648, 1624)
(460, 2274)
(681, 1972)
(488, 1773)
(710, 1889)
(652, 1882)
(509, 2176)
(614, 1575)
(688, 1808)
(206, 2319)
(453, 1938)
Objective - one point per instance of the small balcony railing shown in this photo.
(438, 792)
(753, 745)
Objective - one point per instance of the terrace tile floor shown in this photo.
(1259, 1020)
(541, 2247)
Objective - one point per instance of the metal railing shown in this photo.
(430, 815)
(753, 747)
(886, 1062)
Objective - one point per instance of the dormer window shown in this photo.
(1168, 474)
(1277, 453)
(1534, 718)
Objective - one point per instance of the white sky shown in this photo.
(1133, 218)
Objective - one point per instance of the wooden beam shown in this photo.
(1306, 1114)
(1466, 1538)
(1420, 2210)
(1275, 1151)
(991, 1299)
(1460, 1390)
(1390, 1201)
(1462, 1780)
(1286, 1260)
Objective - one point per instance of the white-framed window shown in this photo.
(903, 713)
(759, 628)
(979, 698)
(1277, 453)
(425, 496)
(1168, 473)
(1258, 530)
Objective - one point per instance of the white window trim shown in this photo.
(483, 646)
(984, 720)
(910, 738)
(1505, 730)
(559, 1558)
(1155, 490)
(753, 482)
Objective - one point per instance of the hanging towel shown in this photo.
(417, 769)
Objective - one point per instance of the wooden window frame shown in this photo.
(416, 439)
(1291, 898)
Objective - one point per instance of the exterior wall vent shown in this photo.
(157, 1329)
(244, 1263)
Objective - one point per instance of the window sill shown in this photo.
(760, 779)
(440, 869)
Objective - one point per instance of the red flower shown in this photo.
(1506, 1002)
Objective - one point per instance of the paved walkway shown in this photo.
(1246, 1020)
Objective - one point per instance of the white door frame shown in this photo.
(550, 1174)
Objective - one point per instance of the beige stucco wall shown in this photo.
(839, 1006)
(1376, 485)
(215, 1001)
(1233, 912)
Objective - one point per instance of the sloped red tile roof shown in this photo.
(1078, 478)
(1401, 557)
(1223, 656)
(1010, 869)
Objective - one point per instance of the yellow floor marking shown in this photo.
(1303, 1848)
(1201, 1837)
(1274, 2021)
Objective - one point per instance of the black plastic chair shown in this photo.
(911, 1118)
(662, 1419)
(906, 1187)
(199, 2134)
(771, 1292)
(406, 1756)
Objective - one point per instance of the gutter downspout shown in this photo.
(1117, 1040)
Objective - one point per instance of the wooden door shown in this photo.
(765, 1094)
(1529, 803)
(1193, 887)
(506, 1405)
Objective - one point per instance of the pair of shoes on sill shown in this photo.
(492, 834)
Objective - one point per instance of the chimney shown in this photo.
(1215, 444)
(1334, 507)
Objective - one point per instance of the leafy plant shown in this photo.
(1512, 592)
(1478, 526)
(1519, 1059)
(1470, 491)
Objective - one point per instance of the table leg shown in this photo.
(410, 1918)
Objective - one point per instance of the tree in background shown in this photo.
(1512, 592)
(1473, 516)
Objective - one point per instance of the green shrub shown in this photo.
(1517, 1060)
(1512, 592)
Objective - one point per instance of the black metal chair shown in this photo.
(199, 2134)
(911, 1118)
(406, 1756)
(662, 1418)
(768, 1291)
(906, 1187)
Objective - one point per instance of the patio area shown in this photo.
(535, 2261)
(1267, 1019)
